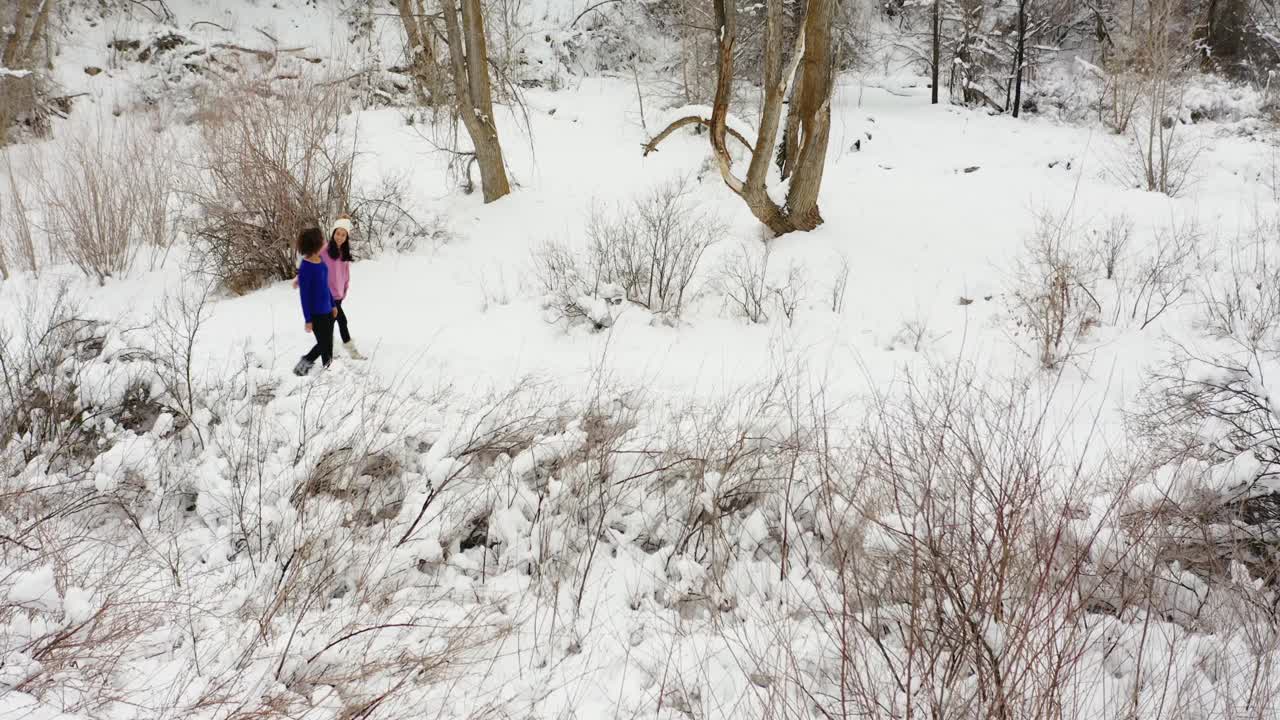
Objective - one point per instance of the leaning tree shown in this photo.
(809, 74)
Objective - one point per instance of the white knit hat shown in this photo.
(342, 223)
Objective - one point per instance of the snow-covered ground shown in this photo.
(533, 519)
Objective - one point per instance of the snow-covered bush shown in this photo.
(958, 555)
(41, 361)
(259, 527)
(572, 292)
(270, 167)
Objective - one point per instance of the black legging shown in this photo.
(342, 322)
(322, 326)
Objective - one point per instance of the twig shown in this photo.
(589, 9)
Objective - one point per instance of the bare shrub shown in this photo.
(270, 166)
(652, 249)
(788, 294)
(1121, 96)
(1242, 300)
(915, 335)
(178, 321)
(15, 225)
(1161, 159)
(743, 281)
(107, 195)
(1111, 245)
(4, 249)
(958, 561)
(1054, 302)
(385, 221)
(647, 254)
(1163, 277)
(840, 285)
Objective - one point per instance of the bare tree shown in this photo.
(811, 67)
(473, 96)
(1019, 57)
(1162, 160)
(935, 23)
(424, 62)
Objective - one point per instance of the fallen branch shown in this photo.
(652, 145)
(198, 23)
(264, 54)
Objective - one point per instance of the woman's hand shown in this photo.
(308, 328)
(295, 283)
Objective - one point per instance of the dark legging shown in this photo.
(322, 326)
(342, 322)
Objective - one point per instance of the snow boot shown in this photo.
(350, 347)
(303, 367)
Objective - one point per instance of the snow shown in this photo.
(594, 580)
(34, 589)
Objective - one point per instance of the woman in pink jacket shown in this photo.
(337, 256)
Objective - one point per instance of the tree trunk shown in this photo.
(38, 32)
(1020, 57)
(937, 47)
(422, 60)
(789, 150)
(15, 34)
(815, 116)
(472, 99)
(1223, 32)
(811, 98)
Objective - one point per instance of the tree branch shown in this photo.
(652, 145)
(589, 9)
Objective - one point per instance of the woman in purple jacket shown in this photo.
(337, 257)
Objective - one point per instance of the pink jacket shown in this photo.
(339, 275)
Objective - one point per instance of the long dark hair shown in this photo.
(340, 252)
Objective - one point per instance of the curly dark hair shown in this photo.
(310, 241)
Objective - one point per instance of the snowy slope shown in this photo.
(510, 594)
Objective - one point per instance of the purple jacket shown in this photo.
(339, 275)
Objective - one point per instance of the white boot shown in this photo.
(350, 347)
